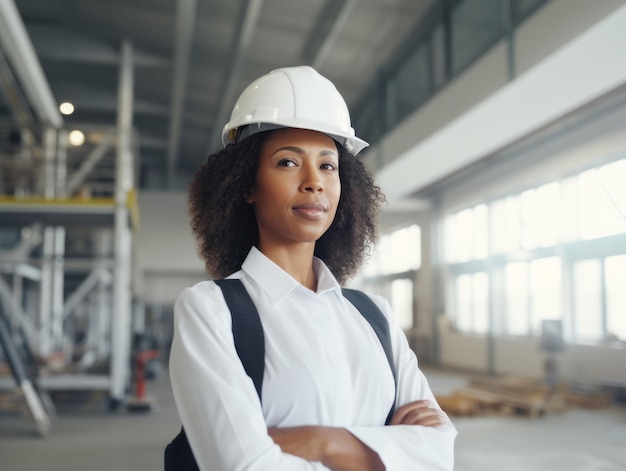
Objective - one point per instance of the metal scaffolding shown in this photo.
(66, 237)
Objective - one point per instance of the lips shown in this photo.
(312, 211)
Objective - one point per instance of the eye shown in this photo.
(287, 163)
(329, 166)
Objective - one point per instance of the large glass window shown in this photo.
(505, 226)
(412, 83)
(532, 294)
(545, 291)
(476, 25)
(587, 300)
(598, 215)
(401, 300)
(558, 251)
(396, 252)
(523, 8)
(517, 299)
(472, 302)
(467, 234)
(615, 279)
(392, 269)
(541, 216)
(367, 120)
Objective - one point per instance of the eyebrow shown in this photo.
(299, 150)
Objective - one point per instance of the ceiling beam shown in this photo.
(15, 99)
(99, 99)
(60, 44)
(246, 27)
(324, 34)
(185, 23)
(21, 54)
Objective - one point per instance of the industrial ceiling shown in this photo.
(191, 60)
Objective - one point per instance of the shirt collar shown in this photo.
(276, 282)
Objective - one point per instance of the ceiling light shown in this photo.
(66, 108)
(76, 138)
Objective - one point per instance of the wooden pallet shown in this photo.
(588, 400)
(507, 395)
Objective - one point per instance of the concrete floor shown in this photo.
(90, 439)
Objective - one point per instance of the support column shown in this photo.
(509, 36)
(121, 328)
(60, 171)
(102, 297)
(58, 278)
(48, 175)
(45, 298)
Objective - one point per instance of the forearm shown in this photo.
(334, 447)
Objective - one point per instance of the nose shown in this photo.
(311, 181)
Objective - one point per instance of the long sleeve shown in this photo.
(216, 400)
(323, 366)
(409, 447)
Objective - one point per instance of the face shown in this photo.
(297, 187)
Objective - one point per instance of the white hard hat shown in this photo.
(295, 97)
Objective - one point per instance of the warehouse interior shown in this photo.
(497, 132)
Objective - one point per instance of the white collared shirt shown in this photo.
(324, 365)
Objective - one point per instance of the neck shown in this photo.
(295, 260)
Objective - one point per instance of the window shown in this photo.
(523, 8)
(545, 291)
(397, 252)
(412, 83)
(472, 302)
(516, 298)
(541, 216)
(505, 226)
(467, 234)
(452, 35)
(367, 119)
(392, 269)
(401, 301)
(532, 294)
(476, 25)
(587, 300)
(615, 279)
(602, 200)
(557, 250)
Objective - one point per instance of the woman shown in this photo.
(288, 209)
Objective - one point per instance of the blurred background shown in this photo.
(497, 132)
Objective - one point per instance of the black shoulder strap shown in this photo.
(250, 345)
(377, 320)
(247, 330)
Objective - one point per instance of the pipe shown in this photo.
(19, 49)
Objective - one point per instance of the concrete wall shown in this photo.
(165, 250)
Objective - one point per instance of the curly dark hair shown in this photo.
(225, 225)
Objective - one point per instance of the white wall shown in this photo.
(524, 357)
(165, 250)
(481, 112)
(556, 24)
(581, 142)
